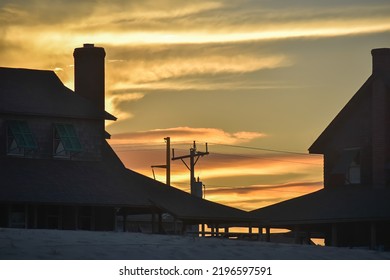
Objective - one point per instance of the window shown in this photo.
(349, 165)
(66, 140)
(20, 140)
(353, 174)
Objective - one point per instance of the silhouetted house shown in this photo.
(58, 171)
(353, 209)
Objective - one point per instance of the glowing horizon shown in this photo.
(268, 74)
(218, 169)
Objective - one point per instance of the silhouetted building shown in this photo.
(353, 209)
(58, 171)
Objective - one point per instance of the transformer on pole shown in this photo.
(194, 157)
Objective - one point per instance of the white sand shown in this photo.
(56, 244)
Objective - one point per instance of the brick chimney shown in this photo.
(380, 120)
(89, 73)
(380, 60)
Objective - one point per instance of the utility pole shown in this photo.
(168, 161)
(167, 166)
(194, 157)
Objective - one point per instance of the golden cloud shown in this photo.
(240, 180)
(166, 68)
(184, 134)
(113, 102)
(149, 12)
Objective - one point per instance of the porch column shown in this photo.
(35, 211)
(334, 241)
(184, 227)
(9, 208)
(60, 217)
(153, 222)
(124, 217)
(297, 239)
(93, 218)
(260, 234)
(308, 237)
(174, 226)
(268, 234)
(76, 217)
(160, 226)
(373, 233)
(25, 216)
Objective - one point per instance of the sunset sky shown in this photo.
(240, 73)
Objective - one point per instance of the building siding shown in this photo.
(353, 132)
(89, 133)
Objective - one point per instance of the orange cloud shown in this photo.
(246, 181)
(184, 134)
(257, 196)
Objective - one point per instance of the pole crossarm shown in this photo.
(194, 157)
(166, 166)
(181, 157)
(197, 154)
(159, 166)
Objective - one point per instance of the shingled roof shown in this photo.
(361, 99)
(52, 181)
(193, 209)
(103, 183)
(46, 94)
(342, 204)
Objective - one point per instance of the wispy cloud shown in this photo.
(161, 69)
(199, 37)
(192, 69)
(254, 197)
(113, 103)
(252, 189)
(178, 22)
(237, 49)
(240, 180)
(147, 11)
(185, 134)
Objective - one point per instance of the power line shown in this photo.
(262, 149)
(235, 188)
(265, 158)
(253, 156)
(181, 143)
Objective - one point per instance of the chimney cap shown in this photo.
(88, 45)
(381, 51)
(380, 61)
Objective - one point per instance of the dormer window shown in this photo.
(20, 139)
(66, 141)
(349, 166)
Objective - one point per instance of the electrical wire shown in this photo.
(263, 149)
(264, 158)
(136, 148)
(279, 189)
(259, 157)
